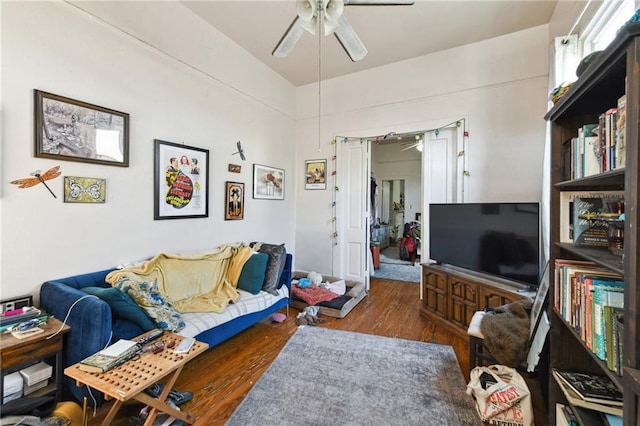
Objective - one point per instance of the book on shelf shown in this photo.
(588, 138)
(605, 293)
(618, 327)
(611, 420)
(596, 388)
(566, 209)
(620, 149)
(565, 416)
(612, 340)
(110, 357)
(574, 399)
(591, 218)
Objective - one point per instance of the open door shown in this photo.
(353, 259)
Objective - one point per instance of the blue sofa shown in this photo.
(93, 326)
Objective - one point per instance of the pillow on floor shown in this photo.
(122, 306)
(156, 305)
(253, 271)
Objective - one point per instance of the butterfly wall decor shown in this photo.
(52, 173)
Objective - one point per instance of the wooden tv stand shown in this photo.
(452, 295)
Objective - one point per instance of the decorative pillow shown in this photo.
(253, 271)
(275, 266)
(158, 307)
(122, 306)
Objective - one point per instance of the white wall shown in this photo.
(176, 87)
(498, 85)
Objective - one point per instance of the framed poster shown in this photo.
(315, 174)
(234, 201)
(268, 182)
(181, 181)
(67, 129)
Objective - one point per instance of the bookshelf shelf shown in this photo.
(616, 73)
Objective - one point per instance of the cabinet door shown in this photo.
(435, 292)
(463, 302)
(493, 297)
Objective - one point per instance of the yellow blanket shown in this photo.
(203, 283)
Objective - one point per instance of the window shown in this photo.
(602, 28)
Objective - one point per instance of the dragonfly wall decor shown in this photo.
(52, 173)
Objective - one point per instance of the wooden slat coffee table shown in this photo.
(129, 380)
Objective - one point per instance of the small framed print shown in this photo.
(181, 181)
(72, 130)
(315, 174)
(268, 182)
(84, 190)
(234, 201)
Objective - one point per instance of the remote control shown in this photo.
(151, 335)
(184, 345)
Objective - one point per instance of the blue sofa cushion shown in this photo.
(122, 306)
(252, 274)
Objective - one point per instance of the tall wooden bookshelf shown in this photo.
(615, 72)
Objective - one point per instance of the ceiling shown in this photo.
(390, 33)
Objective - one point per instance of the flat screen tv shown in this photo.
(501, 239)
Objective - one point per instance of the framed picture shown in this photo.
(181, 181)
(315, 174)
(234, 201)
(66, 129)
(268, 182)
(84, 190)
(540, 301)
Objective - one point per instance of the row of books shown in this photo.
(590, 298)
(597, 147)
(588, 391)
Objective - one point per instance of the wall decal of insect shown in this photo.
(52, 173)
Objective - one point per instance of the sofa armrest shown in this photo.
(88, 316)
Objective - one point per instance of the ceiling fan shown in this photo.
(331, 13)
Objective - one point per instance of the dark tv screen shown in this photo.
(501, 239)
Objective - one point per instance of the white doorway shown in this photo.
(441, 181)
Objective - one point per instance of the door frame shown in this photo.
(370, 135)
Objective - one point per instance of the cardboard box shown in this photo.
(36, 373)
(12, 388)
(34, 387)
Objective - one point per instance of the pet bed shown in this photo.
(338, 307)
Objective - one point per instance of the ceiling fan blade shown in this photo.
(350, 40)
(378, 2)
(413, 145)
(290, 38)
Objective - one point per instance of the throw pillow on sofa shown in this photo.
(275, 266)
(252, 274)
(122, 306)
(158, 307)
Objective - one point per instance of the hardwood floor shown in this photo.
(221, 377)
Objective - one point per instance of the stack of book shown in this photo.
(590, 391)
(590, 298)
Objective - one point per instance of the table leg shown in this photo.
(112, 413)
(160, 405)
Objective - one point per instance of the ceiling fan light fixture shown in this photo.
(333, 10)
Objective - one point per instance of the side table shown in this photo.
(129, 380)
(16, 354)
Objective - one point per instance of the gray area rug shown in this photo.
(392, 268)
(331, 377)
